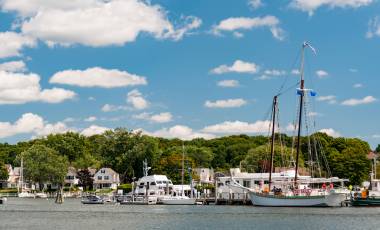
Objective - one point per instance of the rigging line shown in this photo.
(288, 89)
(292, 67)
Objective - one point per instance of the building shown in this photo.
(71, 179)
(206, 175)
(106, 178)
(13, 177)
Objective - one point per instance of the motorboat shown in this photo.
(41, 195)
(178, 200)
(92, 199)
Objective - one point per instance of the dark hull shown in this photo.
(366, 202)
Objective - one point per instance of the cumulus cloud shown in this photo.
(373, 27)
(255, 4)
(30, 123)
(238, 127)
(331, 132)
(331, 99)
(97, 77)
(178, 131)
(270, 73)
(228, 83)
(19, 88)
(155, 118)
(237, 67)
(111, 108)
(12, 43)
(229, 103)
(310, 6)
(97, 22)
(90, 119)
(358, 85)
(94, 130)
(321, 73)
(355, 102)
(13, 66)
(136, 100)
(245, 23)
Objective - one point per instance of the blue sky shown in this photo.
(199, 68)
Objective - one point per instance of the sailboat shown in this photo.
(21, 192)
(293, 195)
(180, 199)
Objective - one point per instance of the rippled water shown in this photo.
(45, 214)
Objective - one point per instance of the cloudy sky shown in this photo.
(186, 68)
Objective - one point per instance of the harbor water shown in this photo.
(44, 214)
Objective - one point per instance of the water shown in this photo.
(45, 215)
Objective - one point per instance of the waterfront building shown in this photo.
(106, 178)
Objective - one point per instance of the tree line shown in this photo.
(47, 158)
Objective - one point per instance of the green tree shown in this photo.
(377, 148)
(3, 172)
(44, 165)
(85, 179)
(70, 144)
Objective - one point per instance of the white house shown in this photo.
(71, 177)
(106, 178)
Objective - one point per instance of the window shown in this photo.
(153, 183)
(106, 177)
(227, 182)
(99, 177)
(247, 183)
(103, 171)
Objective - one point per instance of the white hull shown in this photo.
(26, 195)
(178, 201)
(330, 200)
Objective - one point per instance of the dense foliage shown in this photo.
(3, 172)
(124, 152)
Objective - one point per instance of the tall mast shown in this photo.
(183, 166)
(21, 180)
(301, 92)
(272, 143)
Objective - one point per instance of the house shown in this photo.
(13, 177)
(71, 177)
(106, 178)
(206, 175)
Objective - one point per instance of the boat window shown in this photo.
(159, 182)
(142, 183)
(247, 183)
(170, 182)
(220, 184)
(227, 182)
(153, 183)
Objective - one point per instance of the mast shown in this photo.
(183, 166)
(301, 92)
(21, 180)
(273, 138)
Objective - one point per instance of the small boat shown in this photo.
(178, 200)
(139, 200)
(26, 195)
(41, 195)
(92, 199)
(3, 200)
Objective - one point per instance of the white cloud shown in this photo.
(321, 73)
(155, 118)
(255, 4)
(12, 43)
(136, 100)
(238, 127)
(270, 73)
(97, 77)
(238, 34)
(354, 101)
(30, 123)
(99, 23)
(296, 72)
(352, 70)
(358, 85)
(228, 83)
(13, 66)
(94, 130)
(376, 136)
(229, 103)
(331, 99)
(111, 108)
(373, 27)
(311, 5)
(91, 98)
(178, 131)
(19, 88)
(238, 67)
(244, 23)
(90, 119)
(331, 132)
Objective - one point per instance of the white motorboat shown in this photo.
(25, 195)
(178, 200)
(92, 199)
(3, 200)
(139, 200)
(41, 195)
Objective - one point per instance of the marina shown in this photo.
(45, 214)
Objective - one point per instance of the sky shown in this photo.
(187, 69)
